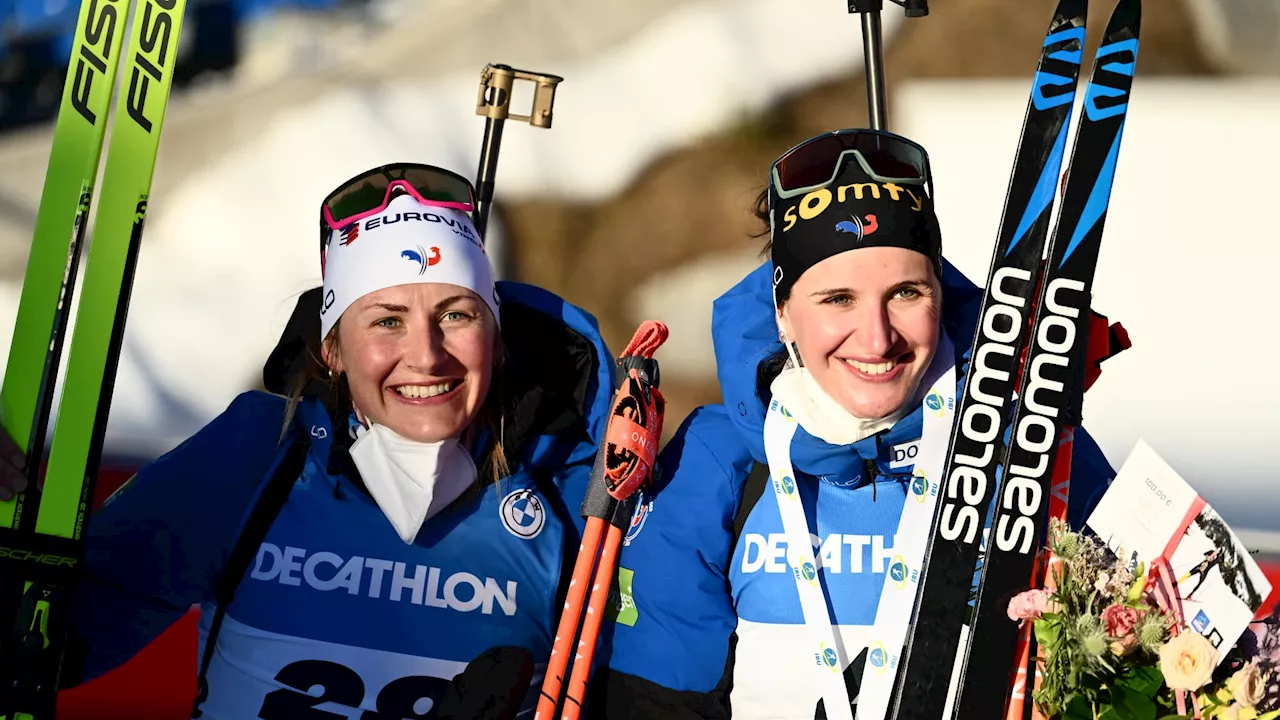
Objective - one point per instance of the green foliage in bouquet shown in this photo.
(1108, 653)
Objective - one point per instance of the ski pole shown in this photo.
(570, 615)
(624, 464)
(575, 696)
(873, 50)
(634, 428)
(493, 101)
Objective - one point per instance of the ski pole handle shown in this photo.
(493, 102)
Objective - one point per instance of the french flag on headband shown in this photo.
(407, 243)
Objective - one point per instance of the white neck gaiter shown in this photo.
(411, 481)
(820, 415)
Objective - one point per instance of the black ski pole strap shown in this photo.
(597, 502)
(274, 495)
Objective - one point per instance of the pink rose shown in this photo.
(1120, 620)
(1030, 605)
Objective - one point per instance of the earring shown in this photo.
(792, 351)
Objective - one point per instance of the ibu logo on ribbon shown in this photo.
(782, 410)
(898, 572)
(805, 570)
(787, 485)
(920, 487)
(934, 402)
(827, 657)
(878, 658)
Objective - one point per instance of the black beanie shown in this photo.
(854, 211)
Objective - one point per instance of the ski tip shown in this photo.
(1125, 20)
(1065, 39)
(1071, 12)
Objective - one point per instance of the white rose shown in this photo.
(1187, 661)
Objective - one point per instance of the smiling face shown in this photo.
(418, 358)
(865, 324)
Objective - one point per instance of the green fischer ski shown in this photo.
(64, 207)
(113, 255)
(39, 560)
(39, 331)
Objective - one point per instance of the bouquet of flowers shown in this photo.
(1109, 649)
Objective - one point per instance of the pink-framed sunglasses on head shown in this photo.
(370, 192)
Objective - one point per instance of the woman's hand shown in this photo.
(12, 479)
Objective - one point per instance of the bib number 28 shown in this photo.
(316, 682)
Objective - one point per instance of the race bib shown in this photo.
(259, 674)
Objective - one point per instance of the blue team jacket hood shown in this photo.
(744, 335)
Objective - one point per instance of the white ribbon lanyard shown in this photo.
(897, 599)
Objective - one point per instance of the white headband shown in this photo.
(406, 243)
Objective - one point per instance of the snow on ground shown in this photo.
(228, 249)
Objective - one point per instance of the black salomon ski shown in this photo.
(968, 479)
(1051, 389)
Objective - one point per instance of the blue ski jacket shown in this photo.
(336, 612)
(707, 604)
